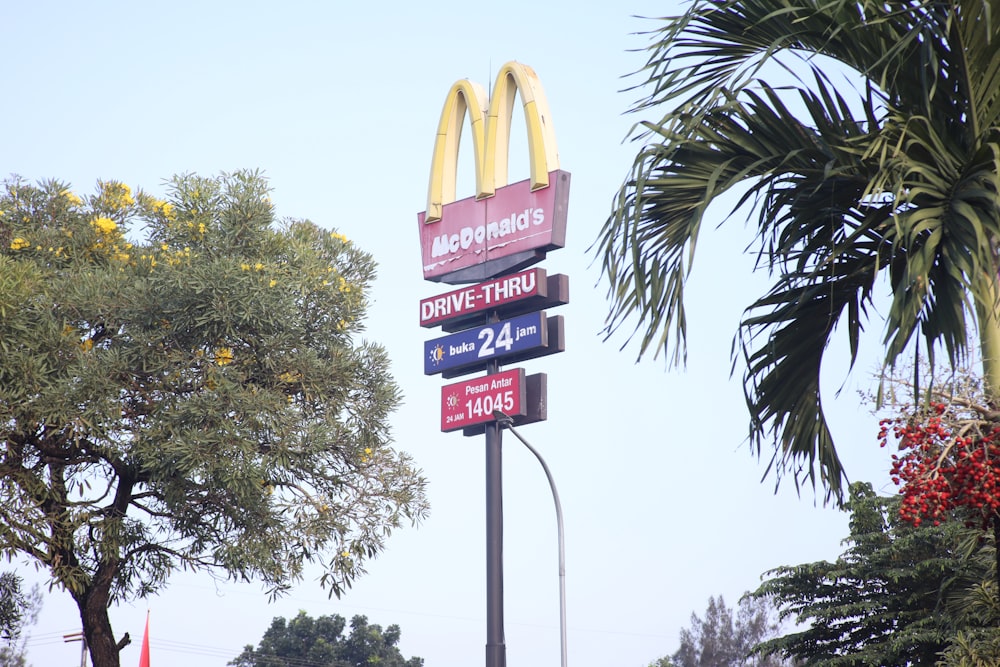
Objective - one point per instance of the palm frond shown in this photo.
(903, 179)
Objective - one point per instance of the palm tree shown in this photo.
(901, 175)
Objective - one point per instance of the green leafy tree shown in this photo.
(12, 604)
(900, 178)
(322, 642)
(726, 639)
(17, 611)
(183, 384)
(885, 601)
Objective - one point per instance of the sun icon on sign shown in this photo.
(437, 354)
(452, 400)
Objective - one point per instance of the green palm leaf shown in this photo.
(902, 177)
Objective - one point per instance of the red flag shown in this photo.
(144, 655)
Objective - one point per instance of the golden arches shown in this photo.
(491, 135)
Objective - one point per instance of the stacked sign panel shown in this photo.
(486, 243)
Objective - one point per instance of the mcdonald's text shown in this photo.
(515, 222)
(474, 232)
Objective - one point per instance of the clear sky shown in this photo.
(338, 103)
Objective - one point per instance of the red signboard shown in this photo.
(473, 401)
(478, 239)
(481, 297)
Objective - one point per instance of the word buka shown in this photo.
(473, 346)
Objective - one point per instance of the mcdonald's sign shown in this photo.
(503, 227)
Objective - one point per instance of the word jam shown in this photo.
(473, 401)
(480, 297)
(474, 346)
(516, 222)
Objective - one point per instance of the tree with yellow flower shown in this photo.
(184, 383)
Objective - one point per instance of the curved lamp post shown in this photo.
(506, 421)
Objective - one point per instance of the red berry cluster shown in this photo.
(938, 471)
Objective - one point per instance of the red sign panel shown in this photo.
(473, 401)
(477, 239)
(481, 297)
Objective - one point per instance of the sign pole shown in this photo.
(496, 650)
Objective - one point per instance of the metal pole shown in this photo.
(504, 420)
(495, 646)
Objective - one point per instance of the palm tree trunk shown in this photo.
(996, 554)
(989, 348)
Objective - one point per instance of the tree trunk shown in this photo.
(996, 553)
(96, 597)
(93, 605)
(989, 347)
(988, 323)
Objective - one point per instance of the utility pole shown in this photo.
(78, 637)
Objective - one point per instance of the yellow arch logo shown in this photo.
(490, 126)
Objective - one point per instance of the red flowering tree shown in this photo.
(948, 463)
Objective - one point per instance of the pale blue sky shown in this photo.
(338, 104)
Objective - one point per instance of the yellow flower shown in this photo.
(339, 237)
(345, 553)
(289, 376)
(19, 244)
(272, 283)
(87, 345)
(115, 196)
(104, 225)
(165, 209)
(73, 199)
(223, 356)
(368, 451)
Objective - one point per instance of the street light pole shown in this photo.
(506, 421)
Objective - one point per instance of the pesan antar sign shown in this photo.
(502, 228)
